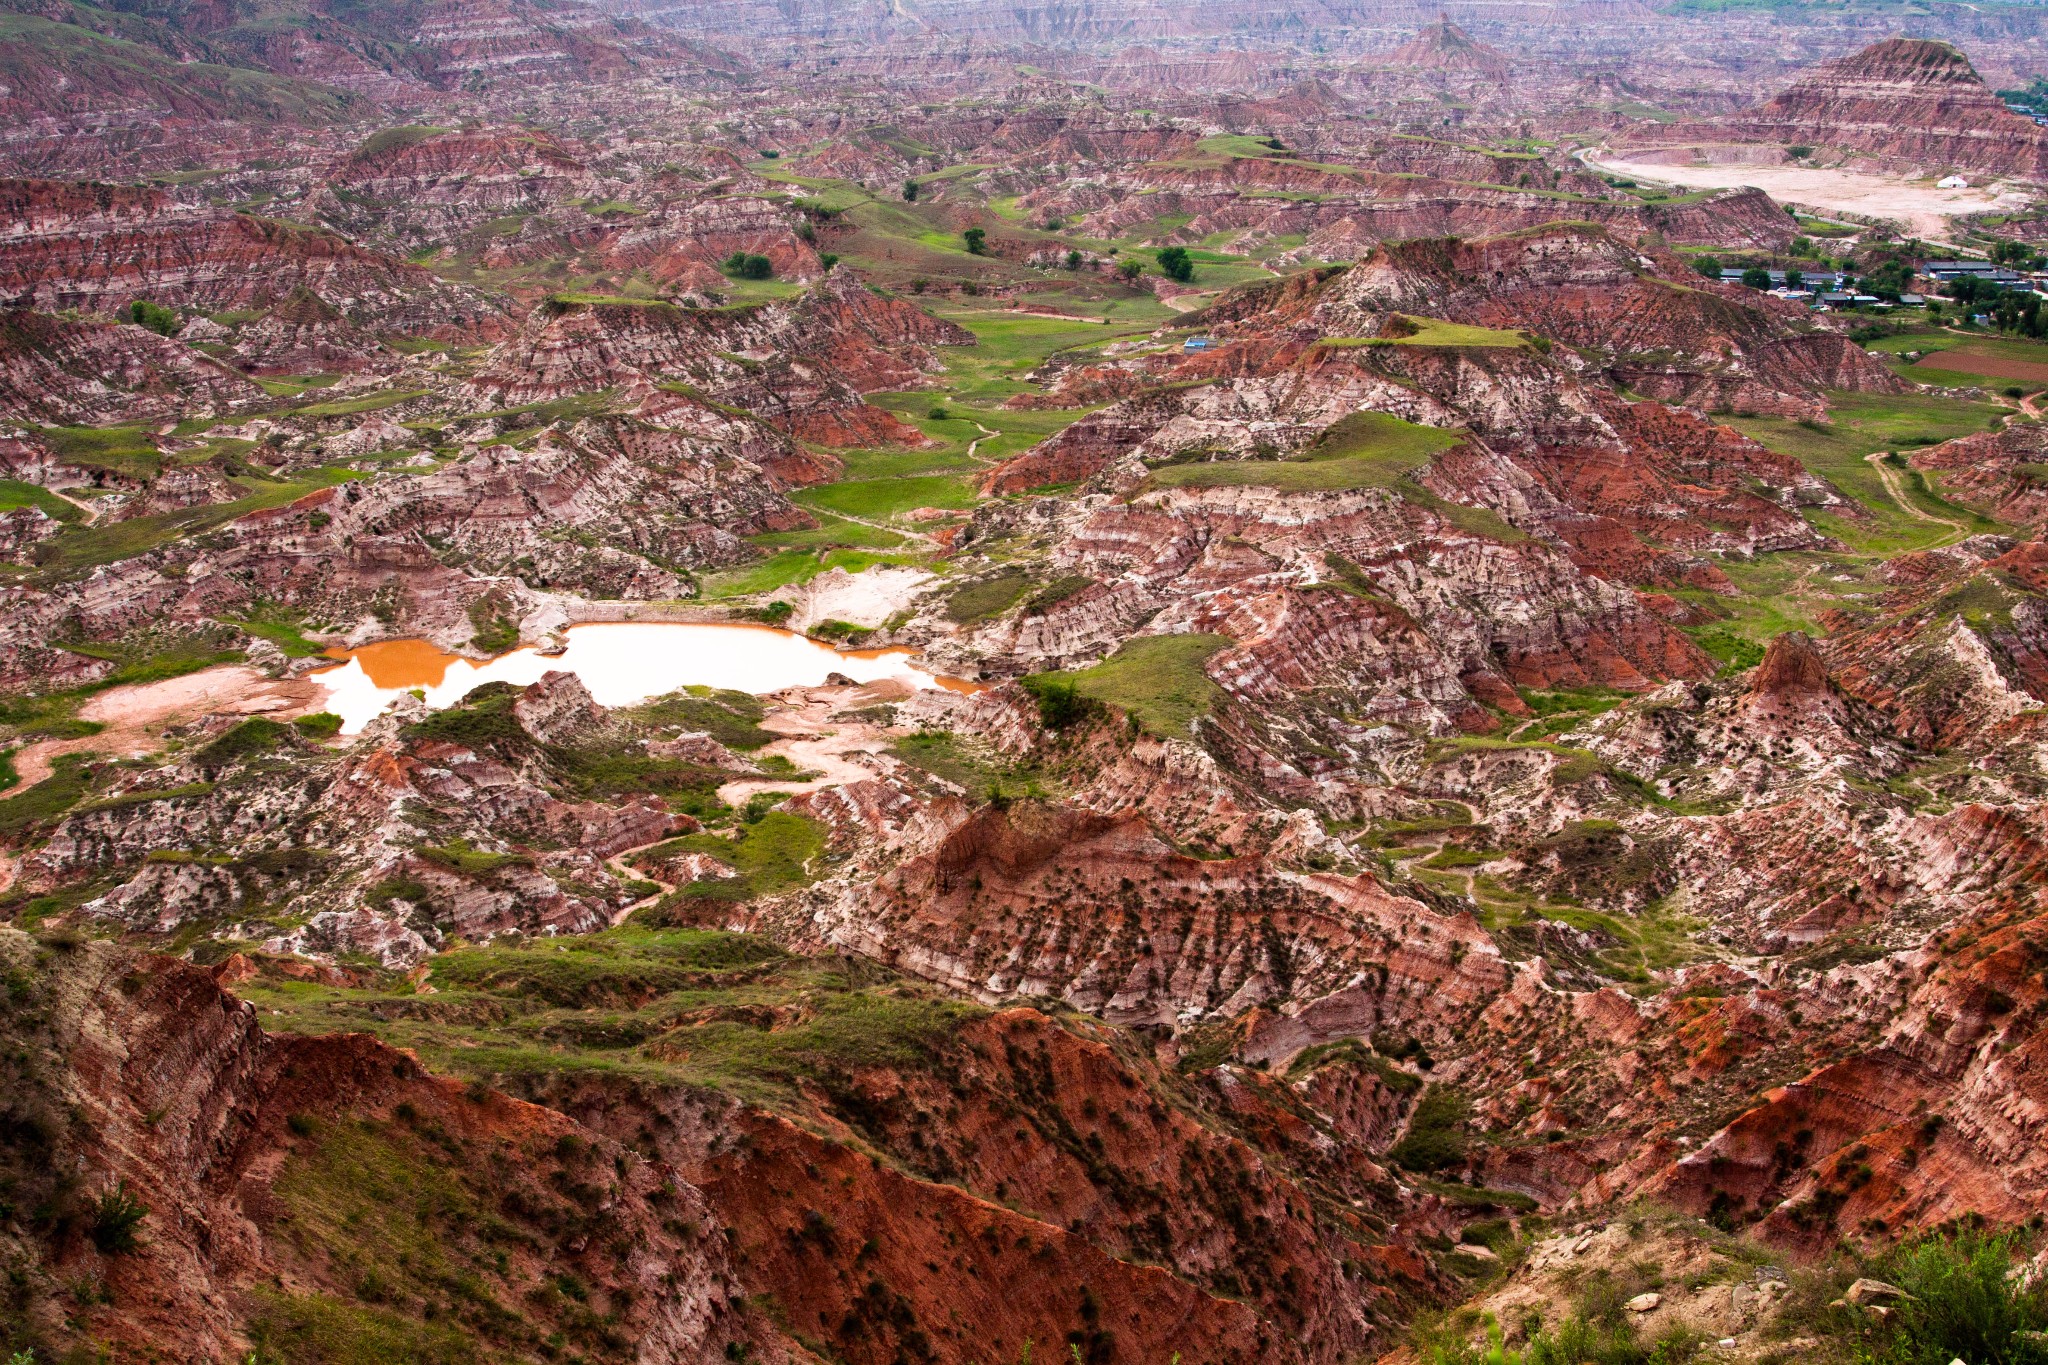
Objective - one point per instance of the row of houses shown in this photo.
(1831, 289)
(1820, 289)
(1945, 272)
(1820, 279)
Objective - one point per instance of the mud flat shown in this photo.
(132, 718)
(620, 663)
(1924, 210)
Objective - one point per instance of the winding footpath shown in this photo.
(1892, 485)
(986, 435)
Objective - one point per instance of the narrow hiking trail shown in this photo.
(986, 435)
(1893, 484)
(819, 745)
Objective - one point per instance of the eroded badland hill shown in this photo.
(974, 683)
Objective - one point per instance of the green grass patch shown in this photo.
(1158, 679)
(78, 549)
(990, 597)
(283, 626)
(967, 765)
(883, 499)
(349, 407)
(618, 967)
(794, 566)
(831, 533)
(731, 718)
(1436, 1133)
(253, 737)
(125, 452)
(1860, 425)
(1413, 331)
(776, 853)
(15, 494)
(47, 800)
(1364, 450)
(320, 1329)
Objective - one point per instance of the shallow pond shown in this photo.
(621, 664)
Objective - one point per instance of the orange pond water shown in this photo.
(620, 663)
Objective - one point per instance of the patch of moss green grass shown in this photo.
(1158, 679)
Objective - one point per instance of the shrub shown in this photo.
(743, 265)
(910, 191)
(1176, 264)
(1436, 1135)
(1967, 1303)
(254, 736)
(1756, 277)
(113, 1219)
(496, 630)
(840, 632)
(977, 241)
(1584, 1338)
(157, 318)
(1060, 702)
(1709, 266)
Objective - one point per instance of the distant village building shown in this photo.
(1952, 182)
(1193, 345)
(1810, 279)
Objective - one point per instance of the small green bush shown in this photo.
(114, 1218)
(1060, 703)
(840, 632)
(157, 318)
(254, 736)
(1966, 1302)
(496, 631)
(1436, 1135)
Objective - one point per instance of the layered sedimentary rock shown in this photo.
(1997, 471)
(801, 364)
(98, 247)
(1583, 287)
(1910, 100)
(1444, 47)
(178, 1100)
(428, 187)
(59, 371)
